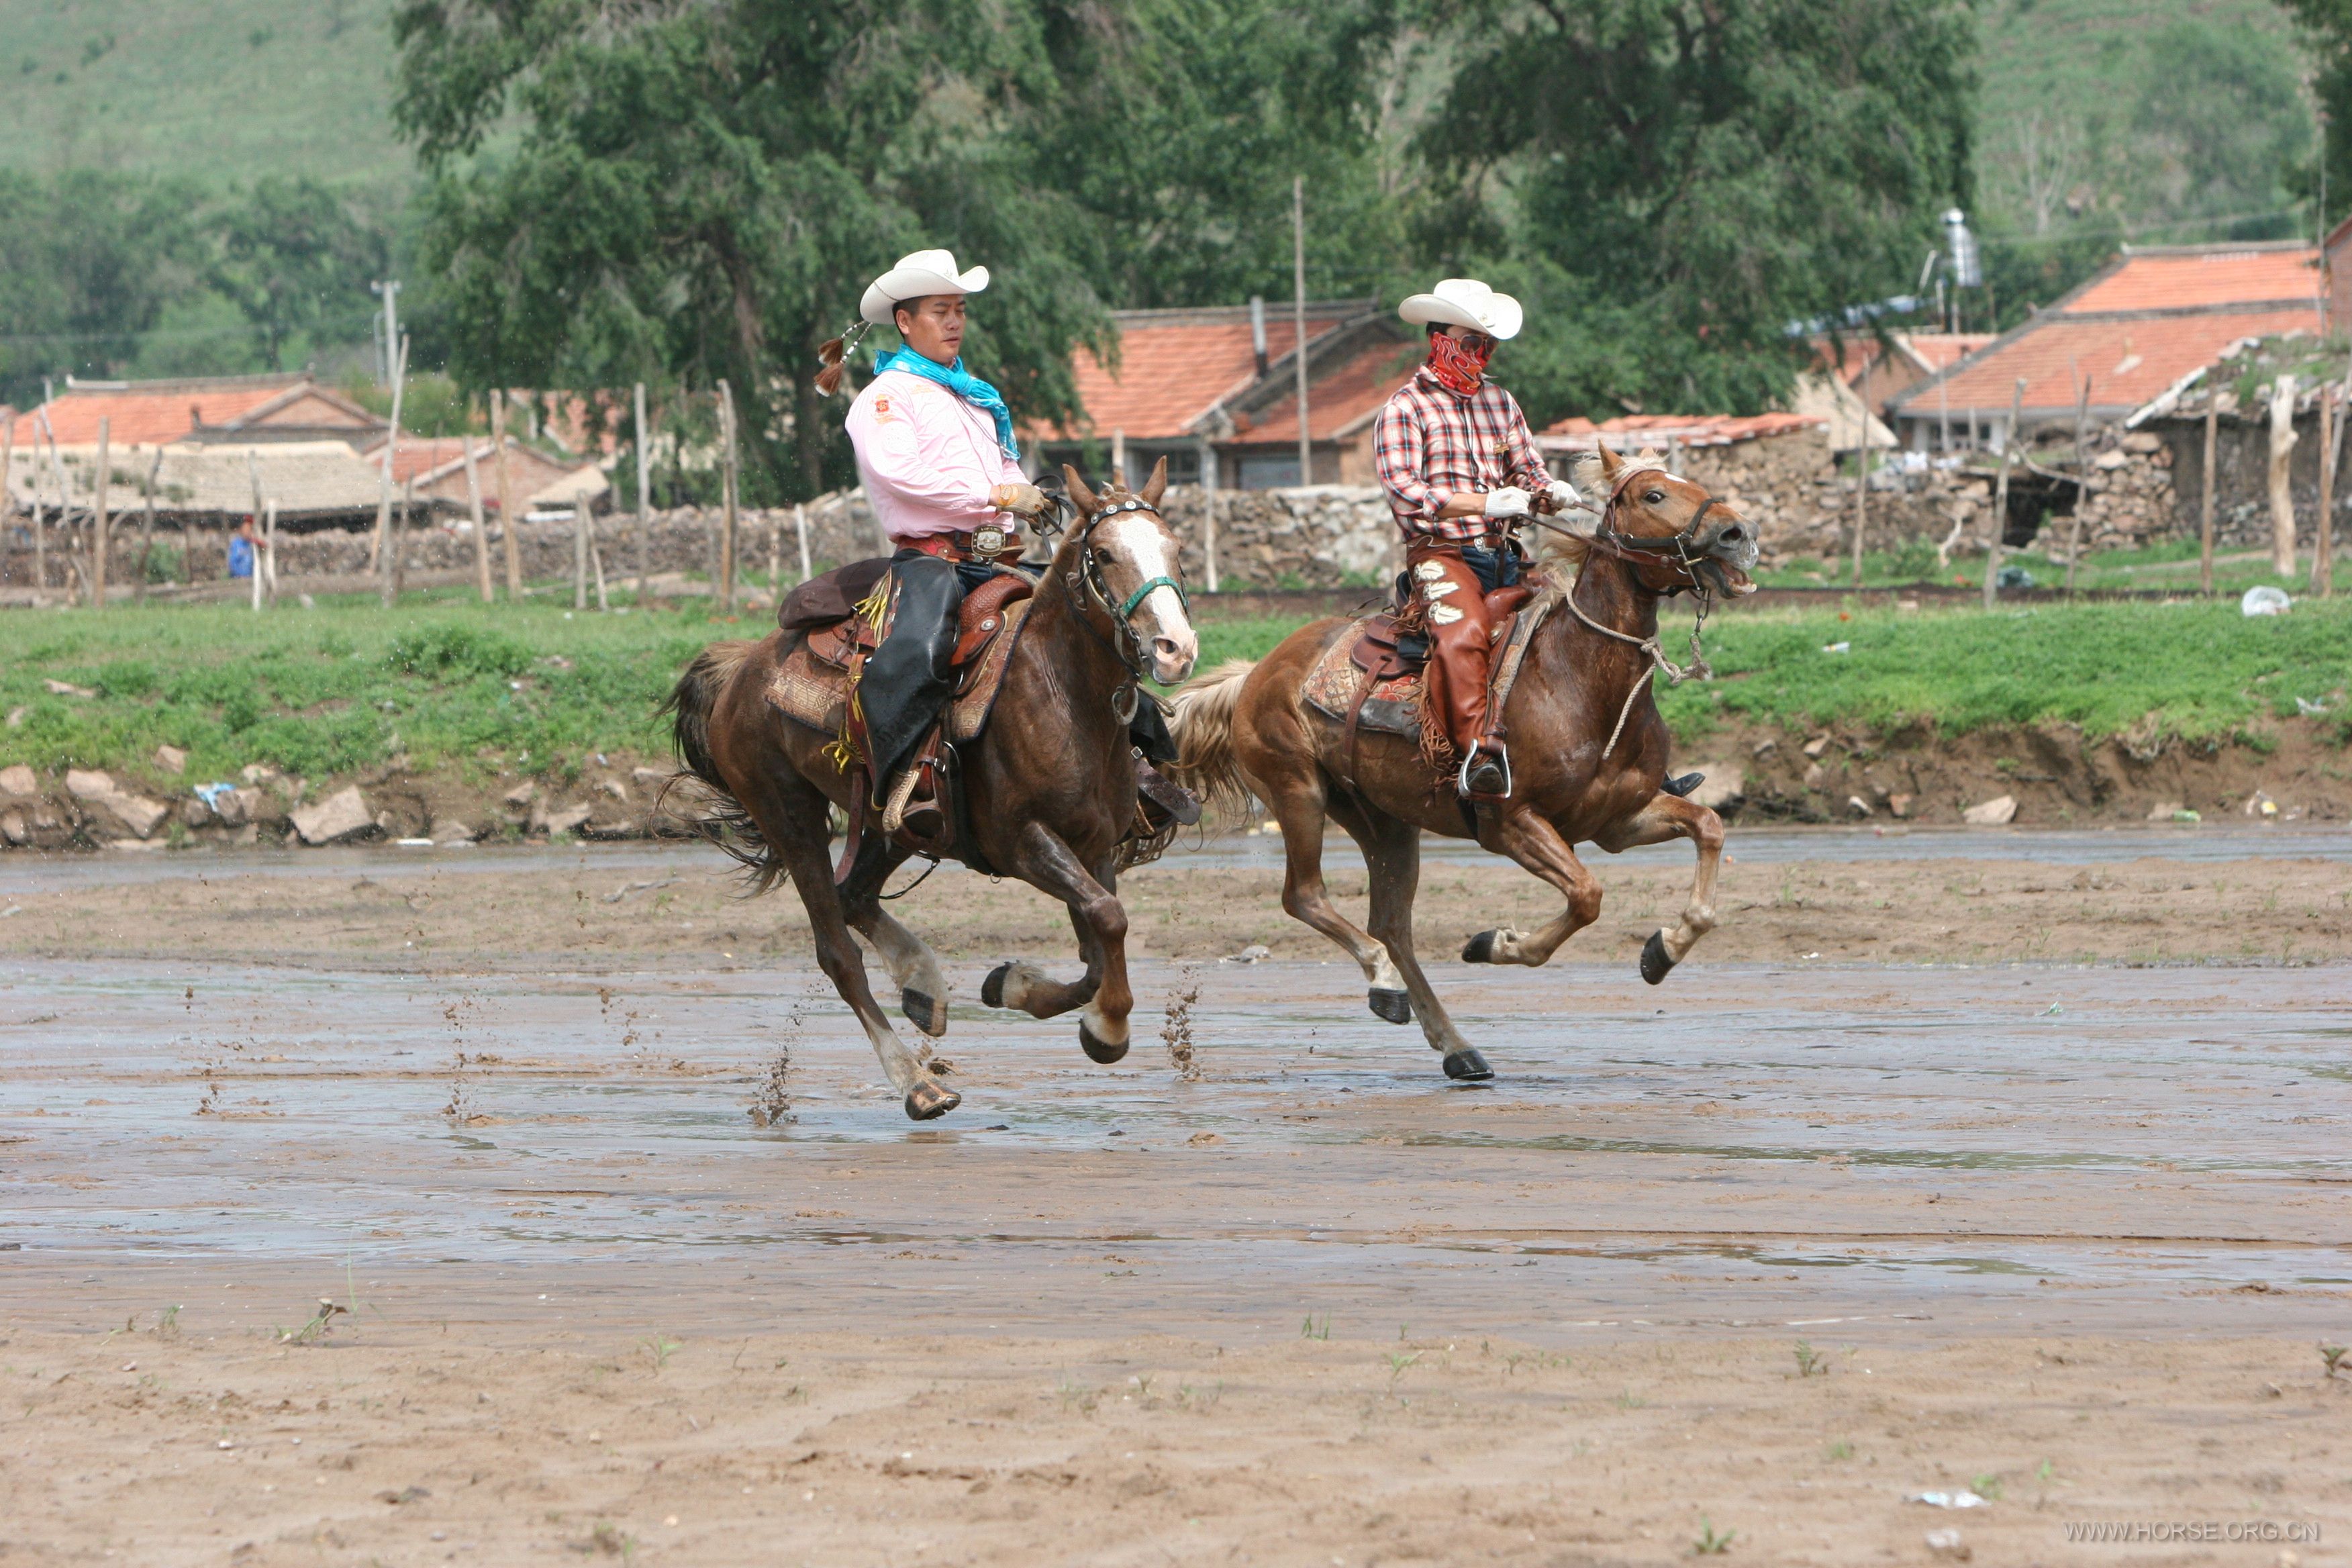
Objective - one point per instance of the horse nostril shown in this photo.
(1731, 536)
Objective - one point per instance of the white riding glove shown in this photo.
(1509, 502)
(1561, 493)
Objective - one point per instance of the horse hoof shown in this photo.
(1097, 1051)
(992, 990)
(1466, 1065)
(1394, 1006)
(926, 1101)
(1656, 963)
(925, 1012)
(1480, 948)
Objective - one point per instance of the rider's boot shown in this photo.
(907, 679)
(1454, 680)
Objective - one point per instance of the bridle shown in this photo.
(1126, 645)
(1672, 551)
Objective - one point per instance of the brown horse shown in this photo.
(1586, 677)
(1049, 786)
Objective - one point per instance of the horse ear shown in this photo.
(1610, 462)
(1157, 482)
(1080, 497)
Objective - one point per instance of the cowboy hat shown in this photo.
(1464, 303)
(923, 272)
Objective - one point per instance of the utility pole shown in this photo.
(388, 290)
(1298, 319)
(507, 519)
(384, 542)
(481, 527)
(2001, 496)
(644, 493)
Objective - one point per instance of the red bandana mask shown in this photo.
(1456, 366)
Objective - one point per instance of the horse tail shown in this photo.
(724, 823)
(1201, 718)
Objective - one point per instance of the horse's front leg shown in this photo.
(1537, 846)
(914, 967)
(1671, 817)
(1044, 861)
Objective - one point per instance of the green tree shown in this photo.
(698, 192)
(1673, 180)
(88, 260)
(291, 257)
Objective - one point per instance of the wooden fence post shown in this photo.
(265, 560)
(2205, 525)
(645, 492)
(2082, 479)
(507, 519)
(481, 528)
(2001, 496)
(2323, 562)
(99, 540)
(583, 517)
(726, 583)
(2282, 489)
(147, 528)
(395, 577)
(1861, 500)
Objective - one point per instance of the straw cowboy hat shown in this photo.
(1462, 303)
(929, 272)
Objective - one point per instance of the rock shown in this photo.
(650, 778)
(1817, 745)
(238, 808)
(2140, 441)
(1899, 804)
(89, 784)
(1998, 812)
(614, 788)
(521, 796)
(343, 814)
(1856, 804)
(12, 827)
(2109, 462)
(1724, 784)
(1764, 748)
(171, 758)
(18, 779)
(566, 818)
(194, 813)
(1814, 775)
(259, 773)
(67, 689)
(449, 830)
(2164, 811)
(135, 811)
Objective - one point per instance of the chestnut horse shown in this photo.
(1049, 787)
(1588, 749)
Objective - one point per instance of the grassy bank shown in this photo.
(533, 689)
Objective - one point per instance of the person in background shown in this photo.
(246, 547)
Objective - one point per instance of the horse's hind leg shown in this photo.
(1536, 846)
(1392, 855)
(792, 814)
(1045, 861)
(1670, 817)
(914, 968)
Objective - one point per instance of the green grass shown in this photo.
(452, 685)
(2169, 566)
(2194, 671)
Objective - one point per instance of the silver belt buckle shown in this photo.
(988, 542)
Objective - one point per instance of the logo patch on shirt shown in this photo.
(881, 408)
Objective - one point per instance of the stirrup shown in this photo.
(1682, 785)
(894, 811)
(1462, 778)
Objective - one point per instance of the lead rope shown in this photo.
(1676, 673)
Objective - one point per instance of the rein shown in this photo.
(1627, 548)
(1129, 648)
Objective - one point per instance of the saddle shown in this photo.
(1369, 678)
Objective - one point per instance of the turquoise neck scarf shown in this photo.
(963, 384)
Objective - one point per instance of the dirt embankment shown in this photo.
(2057, 776)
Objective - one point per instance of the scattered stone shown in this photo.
(18, 779)
(449, 830)
(259, 773)
(12, 827)
(1725, 784)
(1947, 1542)
(2164, 811)
(1817, 745)
(1899, 805)
(521, 796)
(89, 784)
(1814, 775)
(194, 813)
(1856, 804)
(1998, 812)
(171, 758)
(67, 689)
(343, 814)
(16, 717)
(614, 788)
(566, 819)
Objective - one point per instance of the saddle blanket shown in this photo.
(1393, 706)
(808, 691)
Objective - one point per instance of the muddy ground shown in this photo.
(1882, 1192)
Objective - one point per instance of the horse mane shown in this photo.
(1555, 548)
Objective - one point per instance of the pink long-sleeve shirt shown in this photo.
(927, 458)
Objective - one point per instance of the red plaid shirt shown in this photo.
(1429, 444)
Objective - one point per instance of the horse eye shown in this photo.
(1655, 497)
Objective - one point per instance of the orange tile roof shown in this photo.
(1337, 401)
(149, 413)
(2201, 278)
(1938, 349)
(1580, 435)
(2129, 359)
(1174, 366)
(1854, 353)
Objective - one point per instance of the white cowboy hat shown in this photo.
(1464, 303)
(924, 272)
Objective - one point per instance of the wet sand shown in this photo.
(2074, 1230)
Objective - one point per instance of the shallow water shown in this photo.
(2102, 1147)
